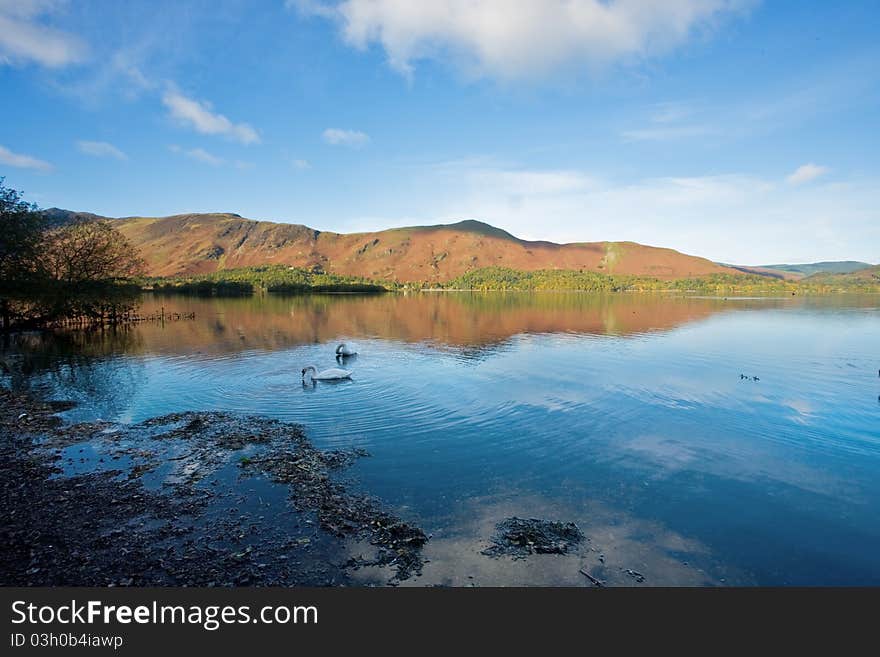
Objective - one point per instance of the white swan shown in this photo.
(311, 373)
(346, 349)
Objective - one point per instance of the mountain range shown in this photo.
(203, 243)
(799, 271)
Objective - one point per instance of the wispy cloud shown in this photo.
(671, 112)
(25, 39)
(670, 121)
(199, 155)
(667, 133)
(203, 156)
(300, 165)
(489, 37)
(338, 136)
(693, 214)
(199, 116)
(22, 161)
(805, 173)
(523, 182)
(800, 100)
(119, 74)
(100, 149)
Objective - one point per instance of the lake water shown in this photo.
(625, 414)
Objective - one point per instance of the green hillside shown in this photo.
(808, 269)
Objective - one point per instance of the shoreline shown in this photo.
(188, 499)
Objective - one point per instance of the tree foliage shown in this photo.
(277, 279)
(502, 278)
(77, 272)
(293, 280)
(88, 251)
(21, 233)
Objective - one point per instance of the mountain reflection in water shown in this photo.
(625, 413)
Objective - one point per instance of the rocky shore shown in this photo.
(189, 499)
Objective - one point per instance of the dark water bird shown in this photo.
(346, 349)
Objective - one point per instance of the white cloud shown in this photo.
(301, 165)
(199, 155)
(532, 183)
(667, 133)
(709, 216)
(528, 38)
(198, 115)
(806, 173)
(100, 149)
(671, 112)
(700, 215)
(671, 120)
(119, 74)
(338, 136)
(22, 161)
(23, 39)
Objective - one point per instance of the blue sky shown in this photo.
(740, 130)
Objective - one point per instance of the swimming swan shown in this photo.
(346, 349)
(311, 373)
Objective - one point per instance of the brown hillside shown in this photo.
(770, 273)
(201, 243)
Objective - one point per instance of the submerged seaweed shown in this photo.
(519, 538)
(182, 499)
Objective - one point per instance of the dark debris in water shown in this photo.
(199, 498)
(339, 512)
(519, 538)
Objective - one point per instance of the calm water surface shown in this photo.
(626, 414)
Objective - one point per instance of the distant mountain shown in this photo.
(838, 267)
(203, 243)
(797, 272)
(59, 217)
(763, 271)
(866, 275)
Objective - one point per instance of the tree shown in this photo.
(75, 271)
(21, 232)
(89, 265)
(90, 250)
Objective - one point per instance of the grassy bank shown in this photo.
(274, 279)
